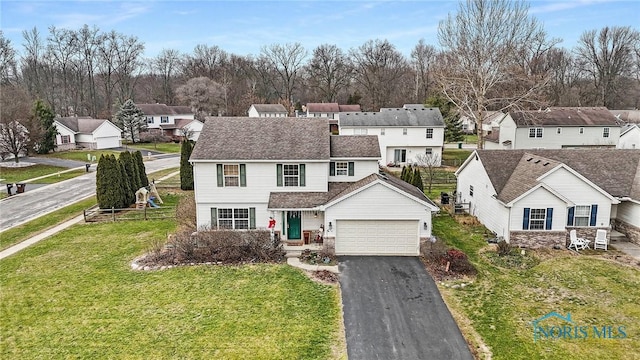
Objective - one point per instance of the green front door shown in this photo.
(293, 224)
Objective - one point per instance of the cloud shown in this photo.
(562, 6)
(101, 17)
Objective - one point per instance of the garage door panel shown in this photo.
(377, 237)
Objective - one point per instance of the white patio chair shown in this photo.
(601, 240)
(576, 242)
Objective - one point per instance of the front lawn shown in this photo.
(75, 296)
(169, 147)
(501, 303)
(82, 155)
(18, 174)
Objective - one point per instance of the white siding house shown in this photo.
(556, 128)
(310, 179)
(403, 133)
(629, 137)
(532, 198)
(159, 115)
(267, 110)
(86, 133)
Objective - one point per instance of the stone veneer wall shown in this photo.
(329, 244)
(632, 232)
(588, 233)
(538, 239)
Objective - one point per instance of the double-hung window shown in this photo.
(342, 168)
(582, 215)
(237, 219)
(65, 139)
(605, 132)
(290, 174)
(359, 131)
(535, 132)
(164, 119)
(149, 119)
(404, 131)
(232, 175)
(429, 133)
(537, 219)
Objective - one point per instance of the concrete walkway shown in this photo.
(628, 248)
(295, 262)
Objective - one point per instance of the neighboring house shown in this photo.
(627, 116)
(403, 133)
(164, 116)
(629, 137)
(330, 111)
(556, 128)
(189, 127)
(491, 122)
(87, 133)
(299, 174)
(533, 198)
(267, 110)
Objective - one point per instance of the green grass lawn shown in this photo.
(501, 303)
(81, 155)
(18, 174)
(170, 147)
(458, 154)
(75, 296)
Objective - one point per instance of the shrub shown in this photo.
(504, 248)
(317, 257)
(186, 169)
(219, 246)
(459, 262)
(186, 212)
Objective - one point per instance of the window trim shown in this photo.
(149, 119)
(222, 176)
(543, 219)
(536, 133)
(592, 215)
(237, 217)
(164, 119)
(342, 168)
(281, 176)
(429, 133)
(65, 137)
(606, 132)
(403, 155)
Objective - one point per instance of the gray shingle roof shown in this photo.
(559, 116)
(616, 171)
(330, 107)
(389, 117)
(82, 125)
(245, 138)
(309, 200)
(163, 109)
(355, 146)
(270, 108)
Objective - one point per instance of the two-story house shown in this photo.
(172, 120)
(533, 198)
(267, 110)
(403, 133)
(303, 177)
(330, 111)
(556, 128)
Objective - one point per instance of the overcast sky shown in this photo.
(243, 27)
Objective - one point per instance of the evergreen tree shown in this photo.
(101, 180)
(144, 181)
(186, 169)
(44, 117)
(453, 123)
(131, 120)
(131, 177)
(417, 179)
(403, 173)
(109, 185)
(409, 175)
(127, 196)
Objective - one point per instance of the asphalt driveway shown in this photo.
(393, 310)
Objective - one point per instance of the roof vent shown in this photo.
(537, 161)
(545, 164)
(529, 159)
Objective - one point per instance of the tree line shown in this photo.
(490, 56)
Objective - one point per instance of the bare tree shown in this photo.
(429, 162)
(329, 71)
(204, 95)
(480, 68)
(166, 65)
(378, 69)
(14, 120)
(61, 47)
(422, 58)
(286, 61)
(8, 66)
(609, 61)
(88, 42)
(564, 81)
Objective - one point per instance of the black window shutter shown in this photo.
(570, 214)
(525, 219)
(549, 220)
(351, 168)
(243, 174)
(279, 174)
(220, 175)
(252, 218)
(214, 218)
(594, 215)
(332, 169)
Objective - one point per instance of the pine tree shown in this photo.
(403, 173)
(127, 195)
(417, 179)
(144, 181)
(186, 169)
(130, 166)
(131, 120)
(44, 116)
(109, 185)
(101, 180)
(409, 176)
(453, 123)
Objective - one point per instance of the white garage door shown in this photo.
(107, 142)
(377, 237)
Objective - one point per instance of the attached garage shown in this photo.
(377, 237)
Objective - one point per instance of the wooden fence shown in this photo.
(95, 214)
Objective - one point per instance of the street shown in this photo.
(19, 209)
